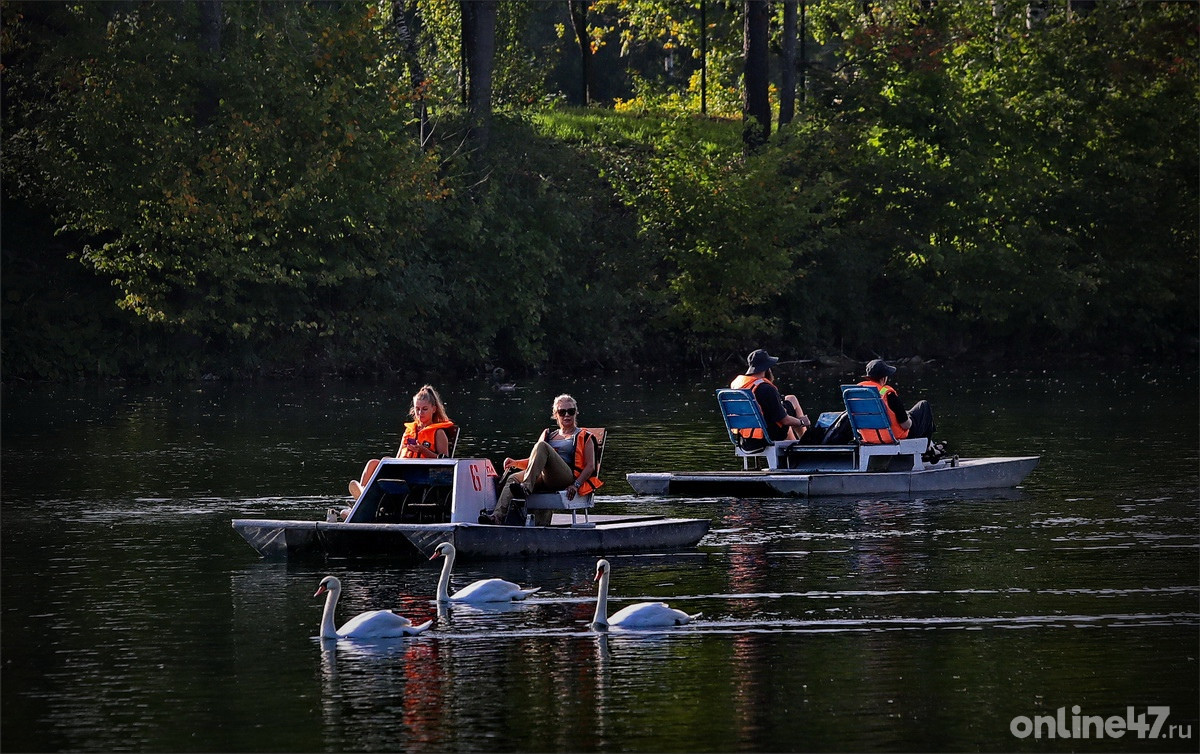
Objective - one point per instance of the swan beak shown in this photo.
(437, 554)
(320, 590)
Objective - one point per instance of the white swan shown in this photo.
(639, 615)
(484, 590)
(373, 624)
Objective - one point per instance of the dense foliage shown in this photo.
(955, 182)
(1029, 185)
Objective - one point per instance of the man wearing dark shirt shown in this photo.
(785, 419)
(915, 422)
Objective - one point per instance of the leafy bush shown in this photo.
(261, 199)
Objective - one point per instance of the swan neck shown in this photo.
(443, 587)
(601, 616)
(328, 628)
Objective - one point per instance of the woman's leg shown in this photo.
(547, 470)
(556, 475)
(357, 485)
(533, 469)
(505, 498)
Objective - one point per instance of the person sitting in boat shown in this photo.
(424, 437)
(563, 458)
(915, 422)
(784, 416)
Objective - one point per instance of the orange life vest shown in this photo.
(588, 486)
(426, 436)
(875, 436)
(751, 383)
(747, 382)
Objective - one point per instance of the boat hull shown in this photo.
(963, 474)
(281, 539)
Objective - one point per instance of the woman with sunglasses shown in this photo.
(563, 458)
(424, 437)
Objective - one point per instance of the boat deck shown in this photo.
(604, 534)
(946, 476)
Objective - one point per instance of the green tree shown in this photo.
(732, 235)
(285, 215)
(989, 167)
(278, 184)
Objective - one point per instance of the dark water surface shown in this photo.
(135, 619)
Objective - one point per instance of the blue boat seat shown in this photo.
(866, 412)
(751, 439)
(747, 429)
(397, 487)
(557, 501)
(864, 407)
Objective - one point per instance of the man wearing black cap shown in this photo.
(785, 418)
(915, 422)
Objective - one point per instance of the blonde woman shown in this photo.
(426, 436)
(563, 458)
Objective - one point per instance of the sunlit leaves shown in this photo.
(732, 234)
(998, 162)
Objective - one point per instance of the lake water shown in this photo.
(135, 619)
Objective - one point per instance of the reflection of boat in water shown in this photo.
(889, 467)
(411, 505)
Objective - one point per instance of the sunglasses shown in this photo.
(565, 412)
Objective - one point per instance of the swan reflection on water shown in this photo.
(378, 648)
(479, 609)
(395, 690)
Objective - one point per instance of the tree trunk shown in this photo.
(406, 42)
(579, 13)
(803, 53)
(211, 20)
(756, 102)
(479, 49)
(704, 57)
(787, 65)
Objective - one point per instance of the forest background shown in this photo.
(257, 188)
